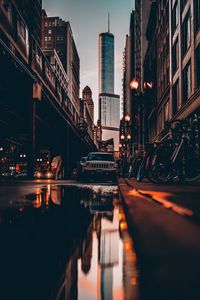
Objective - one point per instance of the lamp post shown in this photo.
(125, 144)
(140, 100)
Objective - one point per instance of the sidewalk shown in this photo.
(167, 244)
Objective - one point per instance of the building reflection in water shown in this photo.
(113, 273)
(85, 251)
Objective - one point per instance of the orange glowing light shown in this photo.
(134, 84)
(127, 118)
(121, 216)
(123, 226)
(133, 281)
(127, 246)
(148, 85)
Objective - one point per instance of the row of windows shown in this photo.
(186, 82)
(55, 23)
(175, 15)
(47, 38)
(186, 42)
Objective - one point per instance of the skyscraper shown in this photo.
(106, 63)
(108, 102)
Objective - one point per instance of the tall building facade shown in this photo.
(31, 11)
(57, 34)
(134, 55)
(127, 77)
(176, 38)
(106, 63)
(109, 103)
(87, 111)
(142, 9)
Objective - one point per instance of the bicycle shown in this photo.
(177, 158)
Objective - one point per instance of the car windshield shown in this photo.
(102, 157)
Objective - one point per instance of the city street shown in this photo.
(99, 150)
(164, 222)
(42, 240)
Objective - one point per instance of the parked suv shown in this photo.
(100, 163)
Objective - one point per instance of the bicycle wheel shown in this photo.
(161, 168)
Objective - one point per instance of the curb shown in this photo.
(167, 247)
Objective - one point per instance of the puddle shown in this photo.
(72, 243)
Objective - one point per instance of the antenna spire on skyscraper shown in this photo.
(108, 22)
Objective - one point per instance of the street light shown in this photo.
(129, 137)
(122, 137)
(127, 118)
(134, 84)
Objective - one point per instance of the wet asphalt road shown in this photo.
(64, 240)
(69, 240)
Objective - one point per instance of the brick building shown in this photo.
(177, 41)
(57, 34)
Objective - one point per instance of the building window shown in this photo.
(187, 82)
(22, 29)
(49, 31)
(175, 17)
(175, 56)
(197, 65)
(46, 24)
(167, 76)
(197, 14)
(183, 3)
(186, 33)
(166, 112)
(175, 97)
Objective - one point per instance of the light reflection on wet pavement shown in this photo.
(71, 243)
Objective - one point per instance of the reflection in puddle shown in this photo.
(72, 243)
(105, 262)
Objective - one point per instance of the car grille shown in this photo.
(100, 165)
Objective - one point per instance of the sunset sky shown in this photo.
(88, 18)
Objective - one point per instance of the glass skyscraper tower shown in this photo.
(106, 63)
(109, 103)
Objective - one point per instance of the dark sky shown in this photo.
(88, 18)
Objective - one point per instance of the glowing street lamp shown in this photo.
(148, 85)
(127, 118)
(134, 84)
(122, 137)
(128, 136)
